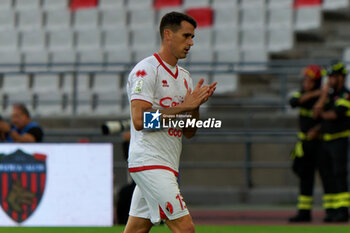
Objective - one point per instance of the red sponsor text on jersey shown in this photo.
(167, 102)
(175, 132)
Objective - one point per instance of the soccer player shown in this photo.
(157, 83)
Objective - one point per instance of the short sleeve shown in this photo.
(142, 83)
(37, 133)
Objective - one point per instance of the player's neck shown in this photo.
(166, 56)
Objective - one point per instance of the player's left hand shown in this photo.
(211, 91)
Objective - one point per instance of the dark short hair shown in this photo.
(173, 21)
(22, 108)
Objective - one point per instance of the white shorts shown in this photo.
(157, 196)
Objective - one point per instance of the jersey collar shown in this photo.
(165, 67)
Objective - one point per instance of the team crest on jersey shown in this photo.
(23, 178)
(165, 83)
(169, 208)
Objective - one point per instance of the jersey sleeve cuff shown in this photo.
(140, 97)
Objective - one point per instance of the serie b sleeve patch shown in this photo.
(138, 86)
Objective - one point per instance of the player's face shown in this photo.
(18, 119)
(182, 40)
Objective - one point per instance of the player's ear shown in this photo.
(168, 34)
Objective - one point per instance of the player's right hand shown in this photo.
(200, 93)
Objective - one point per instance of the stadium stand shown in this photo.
(79, 4)
(10, 60)
(33, 58)
(9, 40)
(203, 16)
(61, 39)
(113, 18)
(86, 19)
(54, 4)
(159, 4)
(27, 4)
(120, 32)
(335, 4)
(7, 19)
(58, 19)
(111, 35)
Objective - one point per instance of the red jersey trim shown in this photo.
(165, 67)
(141, 100)
(152, 167)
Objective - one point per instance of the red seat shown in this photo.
(158, 4)
(203, 16)
(77, 4)
(306, 3)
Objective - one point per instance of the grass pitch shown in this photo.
(199, 229)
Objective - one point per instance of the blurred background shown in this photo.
(69, 61)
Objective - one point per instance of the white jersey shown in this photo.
(163, 86)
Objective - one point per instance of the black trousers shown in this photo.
(333, 165)
(123, 202)
(305, 167)
(333, 170)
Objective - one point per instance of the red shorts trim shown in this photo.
(162, 214)
(152, 167)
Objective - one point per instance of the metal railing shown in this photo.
(246, 137)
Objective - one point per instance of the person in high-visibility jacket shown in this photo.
(307, 148)
(333, 108)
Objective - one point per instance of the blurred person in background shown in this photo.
(333, 108)
(306, 151)
(125, 193)
(22, 128)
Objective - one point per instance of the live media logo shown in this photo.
(151, 120)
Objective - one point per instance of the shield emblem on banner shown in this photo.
(22, 183)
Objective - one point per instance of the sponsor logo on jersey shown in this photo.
(22, 183)
(165, 83)
(141, 73)
(167, 102)
(151, 120)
